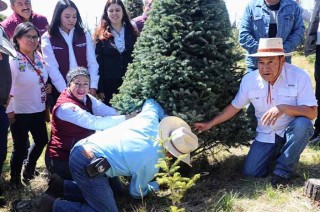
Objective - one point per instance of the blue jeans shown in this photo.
(4, 125)
(96, 191)
(286, 151)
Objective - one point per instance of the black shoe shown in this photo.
(55, 184)
(2, 198)
(315, 141)
(2, 201)
(279, 182)
(15, 183)
(316, 134)
(27, 175)
(45, 203)
(23, 205)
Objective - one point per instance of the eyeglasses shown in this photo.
(79, 85)
(32, 38)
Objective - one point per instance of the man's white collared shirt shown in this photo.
(293, 87)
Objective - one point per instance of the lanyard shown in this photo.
(43, 88)
(269, 98)
(37, 70)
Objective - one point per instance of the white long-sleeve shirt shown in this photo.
(26, 85)
(103, 116)
(52, 65)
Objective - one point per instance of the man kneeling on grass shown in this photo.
(128, 149)
(284, 103)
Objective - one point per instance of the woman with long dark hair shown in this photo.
(115, 38)
(29, 92)
(66, 45)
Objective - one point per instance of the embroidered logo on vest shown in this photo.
(56, 47)
(81, 45)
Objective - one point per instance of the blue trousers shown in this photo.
(4, 125)
(285, 151)
(96, 191)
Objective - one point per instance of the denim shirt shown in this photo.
(255, 25)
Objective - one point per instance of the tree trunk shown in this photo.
(312, 189)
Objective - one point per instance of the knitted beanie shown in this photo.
(79, 71)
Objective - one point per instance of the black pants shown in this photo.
(317, 79)
(4, 125)
(52, 98)
(25, 123)
(59, 167)
(110, 87)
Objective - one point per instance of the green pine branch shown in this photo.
(170, 178)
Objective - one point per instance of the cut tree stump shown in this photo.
(312, 189)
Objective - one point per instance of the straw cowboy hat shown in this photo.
(3, 5)
(270, 47)
(178, 137)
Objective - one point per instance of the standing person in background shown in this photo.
(66, 45)
(268, 19)
(22, 12)
(138, 22)
(115, 38)
(312, 45)
(76, 115)
(5, 85)
(306, 12)
(27, 104)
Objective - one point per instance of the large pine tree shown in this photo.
(186, 59)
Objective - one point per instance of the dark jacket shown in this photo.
(311, 35)
(112, 64)
(5, 76)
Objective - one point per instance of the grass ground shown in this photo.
(223, 188)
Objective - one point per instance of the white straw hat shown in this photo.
(178, 137)
(3, 5)
(270, 47)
